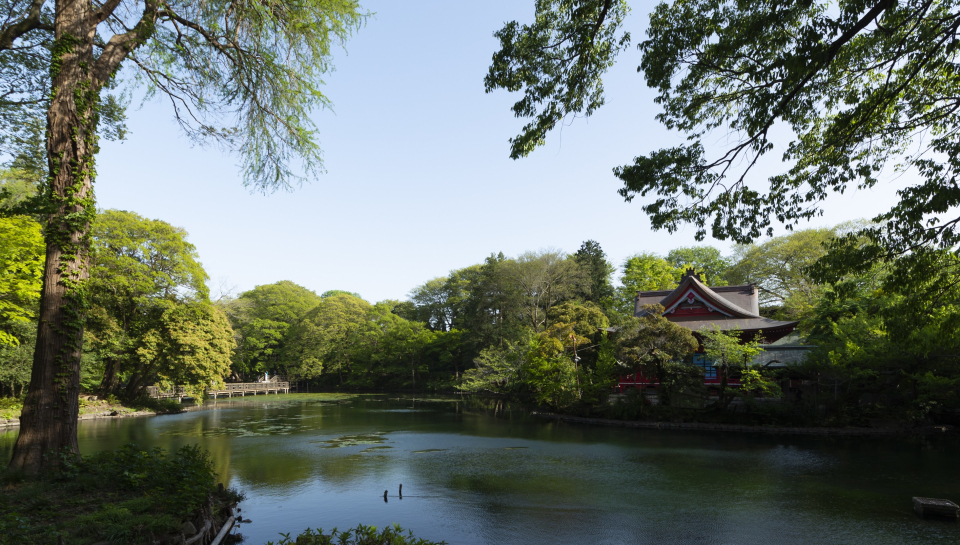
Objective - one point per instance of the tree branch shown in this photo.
(120, 45)
(30, 22)
(106, 10)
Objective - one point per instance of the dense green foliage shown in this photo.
(544, 327)
(261, 318)
(846, 89)
(888, 343)
(244, 75)
(150, 320)
(846, 92)
(127, 496)
(361, 535)
(656, 346)
(21, 268)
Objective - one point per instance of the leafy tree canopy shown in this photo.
(261, 317)
(558, 61)
(142, 271)
(135, 258)
(331, 293)
(542, 279)
(653, 343)
(706, 260)
(245, 75)
(438, 301)
(846, 89)
(644, 272)
(780, 269)
(21, 270)
(326, 336)
(593, 262)
(188, 345)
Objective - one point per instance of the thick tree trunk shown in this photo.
(48, 424)
(111, 377)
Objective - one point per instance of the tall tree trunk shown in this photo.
(111, 377)
(48, 423)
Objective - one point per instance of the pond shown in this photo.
(483, 471)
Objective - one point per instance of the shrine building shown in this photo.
(695, 306)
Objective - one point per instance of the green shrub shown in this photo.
(361, 535)
(124, 497)
(163, 406)
(120, 524)
(10, 407)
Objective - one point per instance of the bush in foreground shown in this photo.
(361, 535)
(128, 496)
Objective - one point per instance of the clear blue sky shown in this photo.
(419, 179)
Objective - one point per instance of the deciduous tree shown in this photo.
(21, 267)
(729, 351)
(780, 269)
(836, 93)
(326, 338)
(644, 272)
(137, 263)
(243, 74)
(261, 318)
(187, 344)
(651, 343)
(543, 279)
(706, 260)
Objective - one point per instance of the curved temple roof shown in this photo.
(694, 305)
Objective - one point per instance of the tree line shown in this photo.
(544, 327)
(863, 87)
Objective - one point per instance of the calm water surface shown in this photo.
(476, 471)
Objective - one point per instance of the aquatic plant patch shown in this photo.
(353, 440)
(361, 535)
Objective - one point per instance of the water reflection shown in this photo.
(483, 471)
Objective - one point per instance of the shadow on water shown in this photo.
(484, 471)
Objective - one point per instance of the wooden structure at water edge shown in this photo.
(229, 390)
(931, 507)
(244, 388)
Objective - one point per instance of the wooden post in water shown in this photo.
(384, 496)
(401, 491)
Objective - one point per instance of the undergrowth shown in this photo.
(361, 535)
(10, 407)
(128, 496)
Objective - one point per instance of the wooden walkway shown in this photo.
(178, 392)
(229, 390)
(254, 388)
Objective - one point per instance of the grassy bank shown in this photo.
(125, 497)
(10, 407)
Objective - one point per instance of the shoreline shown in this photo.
(15, 422)
(773, 430)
